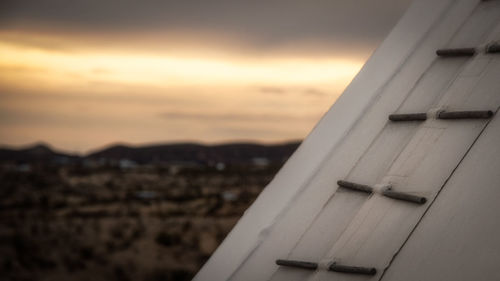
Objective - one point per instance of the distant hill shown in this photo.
(231, 153)
(38, 153)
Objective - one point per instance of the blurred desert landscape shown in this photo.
(150, 213)
(249, 78)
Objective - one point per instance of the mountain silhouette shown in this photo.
(230, 153)
(38, 153)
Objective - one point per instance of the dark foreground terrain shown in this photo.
(119, 222)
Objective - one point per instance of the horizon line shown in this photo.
(131, 145)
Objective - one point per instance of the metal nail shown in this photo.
(355, 186)
(404, 196)
(298, 264)
(458, 52)
(480, 114)
(352, 269)
(408, 117)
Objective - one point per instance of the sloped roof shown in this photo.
(439, 219)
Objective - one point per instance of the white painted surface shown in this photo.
(302, 166)
(302, 215)
(459, 237)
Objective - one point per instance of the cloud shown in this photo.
(272, 90)
(20, 68)
(310, 92)
(236, 117)
(116, 58)
(101, 70)
(314, 92)
(261, 24)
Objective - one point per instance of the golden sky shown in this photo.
(82, 89)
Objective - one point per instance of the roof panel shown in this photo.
(458, 239)
(303, 215)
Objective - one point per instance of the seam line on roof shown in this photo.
(457, 73)
(488, 31)
(437, 194)
(307, 182)
(380, 92)
(382, 88)
(459, 28)
(417, 82)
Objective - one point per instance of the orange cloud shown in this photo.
(120, 95)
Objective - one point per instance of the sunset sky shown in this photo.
(80, 75)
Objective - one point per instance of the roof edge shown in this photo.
(255, 224)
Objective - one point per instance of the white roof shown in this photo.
(304, 215)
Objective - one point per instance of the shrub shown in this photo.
(167, 239)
